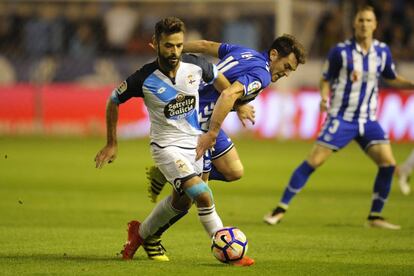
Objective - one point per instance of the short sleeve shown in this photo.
(225, 49)
(131, 87)
(389, 68)
(209, 70)
(333, 64)
(255, 80)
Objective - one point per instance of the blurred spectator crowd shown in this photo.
(102, 42)
(395, 26)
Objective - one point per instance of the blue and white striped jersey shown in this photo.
(354, 79)
(172, 104)
(237, 63)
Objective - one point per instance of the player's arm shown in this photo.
(223, 106)
(108, 153)
(400, 82)
(390, 75)
(324, 89)
(129, 88)
(330, 71)
(210, 48)
(221, 82)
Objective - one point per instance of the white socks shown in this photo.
(210, 219)
(162, 216)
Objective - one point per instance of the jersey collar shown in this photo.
(358, 48)
(265, 54)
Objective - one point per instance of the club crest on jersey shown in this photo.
(253, 87)
(122, 88)
(191, 79)
(182, 167)
(180, 107)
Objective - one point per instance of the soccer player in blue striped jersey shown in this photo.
(351, 74)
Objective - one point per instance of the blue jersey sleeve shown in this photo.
(389, 68)
(226, 48)
(256, 79)
(333, 64)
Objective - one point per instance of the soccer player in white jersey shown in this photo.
(403, 173)
(351, 75)
(169, 87)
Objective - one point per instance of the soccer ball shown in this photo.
(229, 244)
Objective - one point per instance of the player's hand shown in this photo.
(323, 105)
(246, 112)
(205, 141)
(105, 155)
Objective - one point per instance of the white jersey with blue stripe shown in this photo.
(354, 79)
(237, 63)
(172, 104)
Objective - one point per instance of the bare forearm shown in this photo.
(324, 89)
(221, 83)
(224, 105)
(111, 122)
(202, 46)
(401, 82)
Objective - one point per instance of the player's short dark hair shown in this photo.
(168, 26)
(365, 8)
(287, 44)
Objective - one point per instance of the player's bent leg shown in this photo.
(201, 194)
(228, 165)
(156, 182)
(382, 155)
(152, 244)
(318, 155)
(148, 233)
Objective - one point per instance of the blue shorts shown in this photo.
(337, 133)
(222, 146)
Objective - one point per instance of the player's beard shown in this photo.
(168, 63)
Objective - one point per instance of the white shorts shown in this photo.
(177, 164)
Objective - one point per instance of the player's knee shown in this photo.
(200, 193)
(234, 175)
(235, 171)
(315, 162)
(387, 163)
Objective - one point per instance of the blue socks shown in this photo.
(382, 187)
(297, 181)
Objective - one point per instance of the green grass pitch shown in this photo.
(59, 215)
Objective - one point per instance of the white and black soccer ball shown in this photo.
(229, 244)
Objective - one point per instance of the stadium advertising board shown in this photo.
(80, 110)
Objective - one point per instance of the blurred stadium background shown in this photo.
(60, 59)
